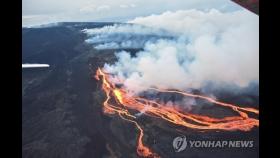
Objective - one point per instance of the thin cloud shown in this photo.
(111, 10)
(103, 8)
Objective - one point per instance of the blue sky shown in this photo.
(47, 11)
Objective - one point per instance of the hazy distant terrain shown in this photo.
(62, 105)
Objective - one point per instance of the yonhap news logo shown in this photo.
(181, 143)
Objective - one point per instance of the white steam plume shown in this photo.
(222, 48)
(121, 36)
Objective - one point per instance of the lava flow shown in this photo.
(118, 101)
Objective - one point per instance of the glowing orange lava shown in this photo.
(123, 102)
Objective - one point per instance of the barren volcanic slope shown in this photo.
(63, 112)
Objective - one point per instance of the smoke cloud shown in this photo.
(121, 36)
(195, 23)
(210, 47)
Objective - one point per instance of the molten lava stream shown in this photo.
(152, 108)
(142, 150)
